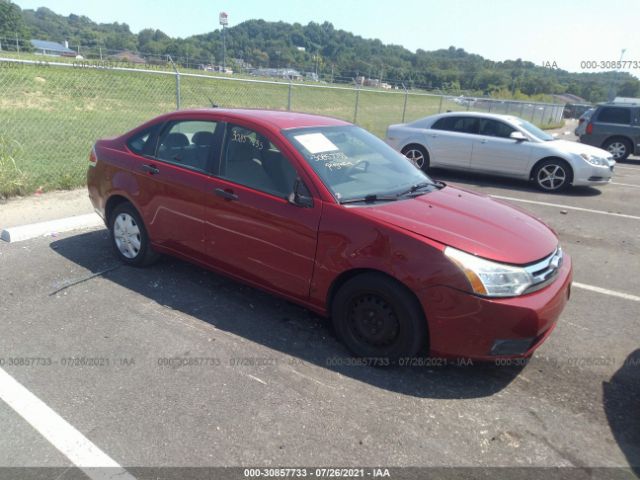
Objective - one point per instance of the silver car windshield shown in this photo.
(533, 130)
(355, 164)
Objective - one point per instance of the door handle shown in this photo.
(151, 169)
(483, 140)
(227, 195)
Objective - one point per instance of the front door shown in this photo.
(252, 231)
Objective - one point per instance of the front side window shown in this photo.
(188, 143)
(494, 128)
(250, 159)
(615, 115)
(353, 163)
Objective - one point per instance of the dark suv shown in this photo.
(616, 128)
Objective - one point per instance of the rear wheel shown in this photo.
(375, 316)
(418, 156)
(619, 148)
(129, 237)
(552, 175)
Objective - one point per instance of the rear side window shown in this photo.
(457, 124)
(189, 143)
(615, 115)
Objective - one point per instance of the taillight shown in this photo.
(93, 158)
(589, 129)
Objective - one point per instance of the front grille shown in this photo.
(545, 271)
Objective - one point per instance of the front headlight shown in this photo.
(490, 279)
(597, 161)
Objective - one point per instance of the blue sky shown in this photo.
(564, 32)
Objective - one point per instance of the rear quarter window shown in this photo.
(615, 115)
(139, 141)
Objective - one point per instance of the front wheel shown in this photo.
(552, 175)
(129, 237)
(376, 317)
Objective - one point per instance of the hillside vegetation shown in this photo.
(336, 54)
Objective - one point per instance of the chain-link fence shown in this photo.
(52, 113)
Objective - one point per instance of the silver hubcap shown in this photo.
(416, 157)
(617, 149)
(551, 177)
(126, 233)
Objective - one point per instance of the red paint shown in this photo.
(299, 253)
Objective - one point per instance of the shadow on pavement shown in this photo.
(482, 180)
(621, 398)
(272, 322)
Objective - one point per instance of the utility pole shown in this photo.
(612, 93)
(224, 21)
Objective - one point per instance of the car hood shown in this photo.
(470, 222)
(578, 148)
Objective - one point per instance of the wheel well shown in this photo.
(112, 203)
(349, 274)
(533, 169)
(422, 147)
(619, 137)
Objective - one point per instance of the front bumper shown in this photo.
(462, 325)
(593, 175)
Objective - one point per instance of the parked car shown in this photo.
(616, 128)
(583, 121)
(500, 145)
(326, 215)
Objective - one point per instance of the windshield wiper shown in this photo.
(421, 186)
(370, 199)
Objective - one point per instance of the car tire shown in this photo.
(378, 318)
(129, 237)
(620, 148)
(418, 156)
(552, 175)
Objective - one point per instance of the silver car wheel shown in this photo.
(617, 149)
(551, 177)
(416, 157)
(126, 234)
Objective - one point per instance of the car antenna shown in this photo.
(213, 105)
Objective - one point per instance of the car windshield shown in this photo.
(533, 130)
(355, 164)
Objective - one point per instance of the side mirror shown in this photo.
(518, 136)
(300, 197)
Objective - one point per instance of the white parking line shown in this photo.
(96, 464)
(625, 184)
(567, 207)
(606, 291)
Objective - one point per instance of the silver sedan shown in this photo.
(500, 145)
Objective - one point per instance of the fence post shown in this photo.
(355, 113)
(404, 108)
(289, 97)
(440, 107)
(175, 69)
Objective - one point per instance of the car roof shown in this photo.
(495, 116)
(271, 118)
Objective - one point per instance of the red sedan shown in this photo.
(325, 214)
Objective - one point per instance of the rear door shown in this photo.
(252, 231)
(450, 141)
(610, 121)
(495, 152)
(173, 178)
